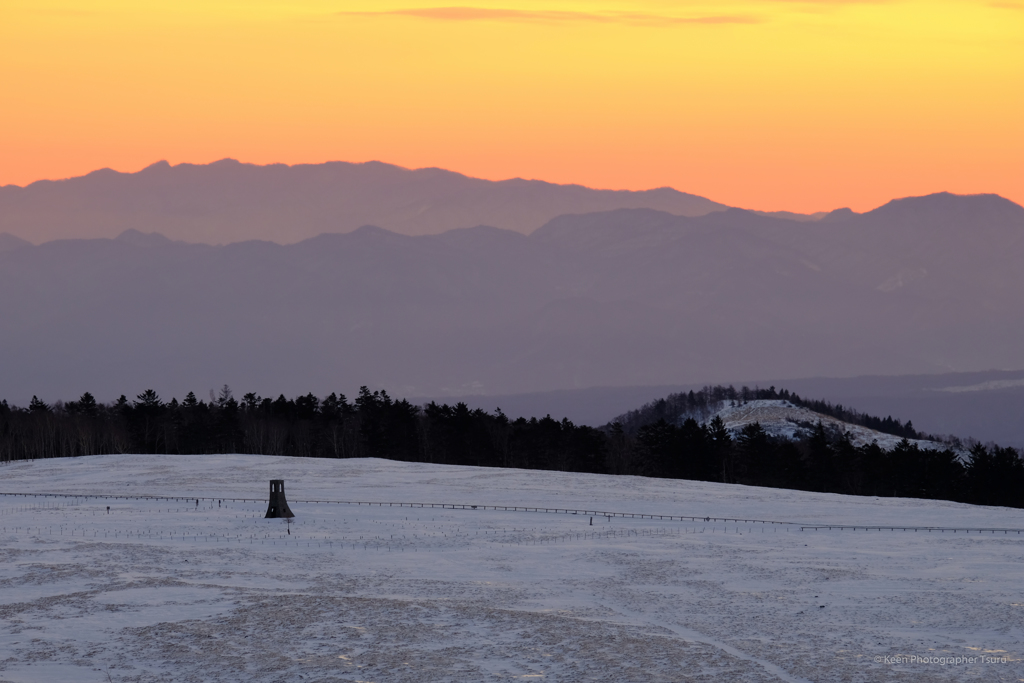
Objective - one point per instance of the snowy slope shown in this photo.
(786, 420)
(165, 589)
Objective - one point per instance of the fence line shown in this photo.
(444, 506)
(940, 529)
(566, 511)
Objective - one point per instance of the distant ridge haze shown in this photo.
(228, 201)
(626, 297)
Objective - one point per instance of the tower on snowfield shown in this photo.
(278, 505)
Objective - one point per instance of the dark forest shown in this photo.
(669, 439)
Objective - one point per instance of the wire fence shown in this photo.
(544, 510)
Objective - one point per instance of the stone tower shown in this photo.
(278, 505)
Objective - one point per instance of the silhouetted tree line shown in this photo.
(828, 462)
(372, 425)
(656, 444)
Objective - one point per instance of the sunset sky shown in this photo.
(765, 104)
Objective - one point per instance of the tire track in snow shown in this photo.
(689, 634)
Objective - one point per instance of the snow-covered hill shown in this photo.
(785, 420)
(181, 579)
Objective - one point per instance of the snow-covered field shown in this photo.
(168, 590)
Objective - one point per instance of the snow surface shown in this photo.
(784, 419)
(165, 590)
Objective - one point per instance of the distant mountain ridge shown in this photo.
(628, 297)
(9, 242)
(228, 201)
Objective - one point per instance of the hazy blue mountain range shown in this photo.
(621, 298)
(228, 201)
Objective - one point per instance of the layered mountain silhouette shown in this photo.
(620, 298)
(228, 201)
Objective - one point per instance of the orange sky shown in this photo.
(766, 104)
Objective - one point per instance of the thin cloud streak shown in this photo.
(553, 16)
